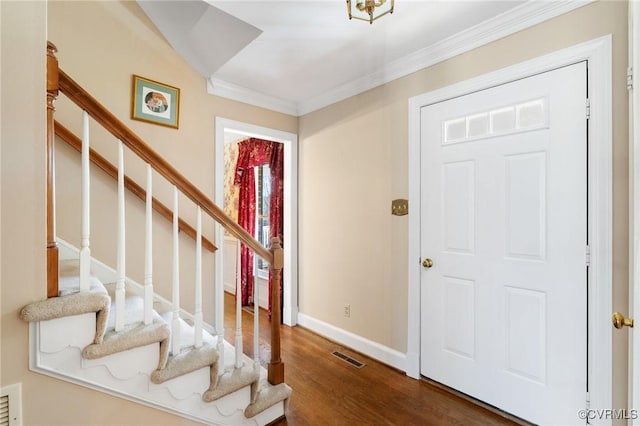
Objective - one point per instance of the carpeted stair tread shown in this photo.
(266, 397)
(133, 311)
(70, 305)
(133, 336)
(71, 302)
(230, 382)
(187, 361)
(65, 306)
(136, 334)
(70, 285)
(187, 332)
(69, 279)
(111, 289)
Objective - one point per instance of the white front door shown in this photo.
(504, 220)
(634, 177)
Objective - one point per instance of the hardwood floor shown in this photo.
(330, 391)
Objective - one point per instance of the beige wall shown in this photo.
(353, 162)
(45, 401)
(101, 44)
(362, 260)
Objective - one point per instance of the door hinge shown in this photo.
(587, 407)
(630, 78)
(587, 256)
(588, 103)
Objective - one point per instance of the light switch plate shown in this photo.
(399, 207)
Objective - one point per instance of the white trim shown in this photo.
(634, 208)
(353, 341)
(524, 16)
(69, 365)
(221, 88)
(290, 188)
(598, 53)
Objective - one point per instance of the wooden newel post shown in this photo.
(52, 245)
(275, 372)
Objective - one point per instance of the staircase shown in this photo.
(102, 330)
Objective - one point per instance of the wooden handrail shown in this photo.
(97, 159)
(112, 124)
(52, 244)
(59, 80)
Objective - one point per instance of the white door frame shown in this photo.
(634, 209)
(598, 54)
(290, 214)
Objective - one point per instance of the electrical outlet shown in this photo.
(347, 311)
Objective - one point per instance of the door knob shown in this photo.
(620, 321)
(427, 263)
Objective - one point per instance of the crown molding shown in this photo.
(517, 19)
(512, 21)
(232, 91)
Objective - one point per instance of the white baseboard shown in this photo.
(413, 365)
(290, 315)
(358, 343)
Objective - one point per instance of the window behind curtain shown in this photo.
(263, 200)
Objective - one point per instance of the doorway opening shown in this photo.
(228, 131)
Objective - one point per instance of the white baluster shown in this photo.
(256, 327)
(239, 348)
(119, 323)
(219, 297)
(198, 305)
(175, 324)
(85, 251)
(220, 348)
(148, 252)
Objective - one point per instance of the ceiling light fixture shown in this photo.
(369, 10)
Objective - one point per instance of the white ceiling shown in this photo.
(299, 56)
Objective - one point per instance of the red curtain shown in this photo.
(252, 153)
(246, 219)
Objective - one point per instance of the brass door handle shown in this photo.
(427, 263)
(620, 321)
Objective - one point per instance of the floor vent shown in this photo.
(11, 405)
(348, 359)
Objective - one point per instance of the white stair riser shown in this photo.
(69, 362)
(186, 385)
(124, 365)
(270, 414)
(240, 398)
(56, 350)
(226, 410)
(127, 374)
(79, 331)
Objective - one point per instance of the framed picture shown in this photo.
(155, 102)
